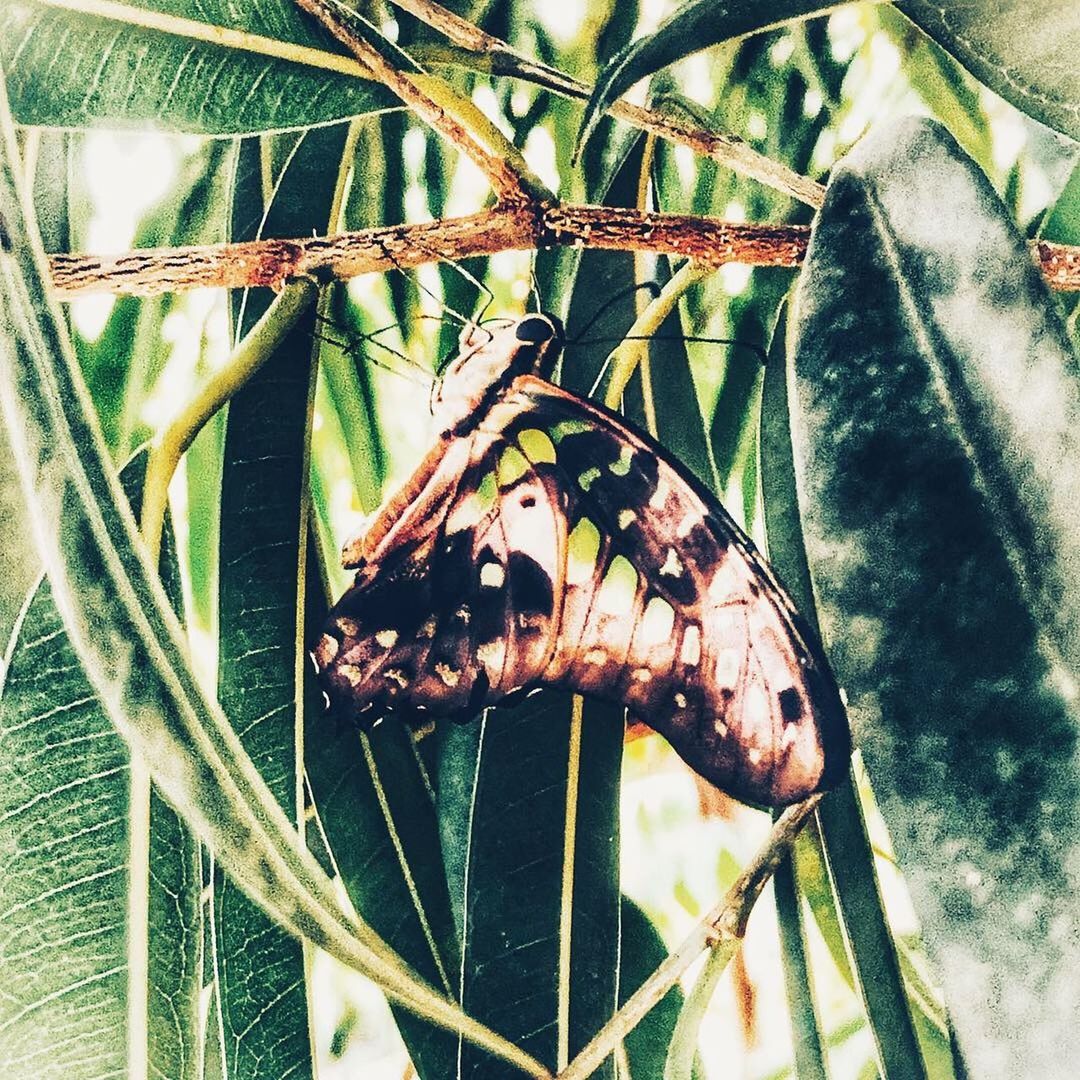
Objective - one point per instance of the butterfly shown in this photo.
(542, 542)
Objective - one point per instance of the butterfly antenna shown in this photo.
(651, 286)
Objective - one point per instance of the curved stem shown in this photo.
(724, 925)
(167, 449)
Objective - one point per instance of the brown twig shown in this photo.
(507, 183)
(725, 924)
(709, 241)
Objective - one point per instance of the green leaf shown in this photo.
(75, 839)
(1023, 51)
(530, 837)
(874, 961)
(131, 645)
(939, 415)
(643, 951)
(213, 68)
(697, 25)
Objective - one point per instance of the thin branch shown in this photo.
(508, 185)
(728, 150)
(710, 242)
(724, 925)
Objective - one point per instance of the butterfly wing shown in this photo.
(454, 602)
(669, 609)
(555, 546)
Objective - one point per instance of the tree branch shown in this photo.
(708, 241)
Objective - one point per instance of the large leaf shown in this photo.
(130, 643)
(215, 68)
(939, 414)
(531, 842)
(1024, 51)
(74, 840)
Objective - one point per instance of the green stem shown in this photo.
(256, 348)
(626, 356)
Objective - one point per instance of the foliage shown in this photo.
(910, 441)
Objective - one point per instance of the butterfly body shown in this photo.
(542, 542)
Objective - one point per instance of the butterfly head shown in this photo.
(488, 361)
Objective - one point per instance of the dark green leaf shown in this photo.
(697, 25)
(506, 819)
(76, 70)
(939, 415)
(71, 825)
(840, 819)
(1026, 52)
(643, 951)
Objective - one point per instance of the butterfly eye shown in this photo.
(534, 330)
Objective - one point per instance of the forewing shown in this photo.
(674, 613)
(452, 605)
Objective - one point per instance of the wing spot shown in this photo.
(352, 675)
(463, 614)
(754, 755)
(626, 518)
(582, 548)
(396, 676)
(727, 668)
(585, 480)
(349, 627)
(387, 638)
(527, 502)
(565, 428)
(725, 585)
(657, 622)
(686, 526)
(492, 575)
(511, 468)
(427, 630)
(642, 675)
(622, 466)
(538, 448)
(659, 496)
(597, 657)
(691, 645)
(673, 566)
(450, 676)
(791, 708)
(680, 700)
(756, 707)
(720, 728)
(619, 587)
(492, 654)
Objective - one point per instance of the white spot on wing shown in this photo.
(685, 527)
(659, 496)
(680, 700)
(450, 676)
(492, 654)
(673, 566)
(720, 728)
(396, 675)
(691, 645)
(754, 754)
(657, 622)
(626, 518)
(642, 674)
(596, 656)
(492, 575)
(387, 638)
(725, 585)
(727, 668)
